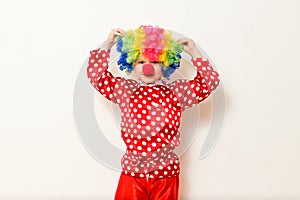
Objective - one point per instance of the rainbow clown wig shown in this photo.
(153, 43)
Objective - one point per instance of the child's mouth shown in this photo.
(148, 75)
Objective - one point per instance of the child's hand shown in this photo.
(189, 47)
(113, 38)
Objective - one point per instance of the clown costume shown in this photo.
(151, 108)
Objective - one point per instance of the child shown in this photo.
(151, 108)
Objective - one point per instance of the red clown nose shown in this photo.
(148, 69)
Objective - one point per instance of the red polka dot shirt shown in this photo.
(151, 113)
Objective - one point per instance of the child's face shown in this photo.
(146, 71)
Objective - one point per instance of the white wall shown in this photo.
(254, 44)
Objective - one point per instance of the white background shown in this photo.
(254, 44)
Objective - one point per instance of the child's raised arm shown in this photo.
(113, 38)
(191, 92)
(103, 81)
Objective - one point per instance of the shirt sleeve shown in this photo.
(112, 88)
(192, 92)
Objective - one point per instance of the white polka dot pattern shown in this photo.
(151, 114)
(109, 86)
(192, 92)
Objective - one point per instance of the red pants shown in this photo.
(131, 188)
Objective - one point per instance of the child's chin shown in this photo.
(148, 79)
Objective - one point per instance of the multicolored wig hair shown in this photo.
(153, 43)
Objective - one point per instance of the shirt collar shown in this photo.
(159, 82)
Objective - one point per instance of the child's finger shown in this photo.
(120, 32)
(181, 40)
